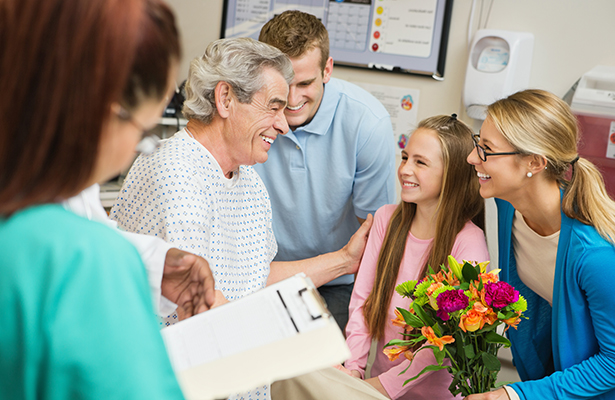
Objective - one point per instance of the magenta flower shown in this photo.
(500, 294)
(451, 301)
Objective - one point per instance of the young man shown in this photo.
(335, 166)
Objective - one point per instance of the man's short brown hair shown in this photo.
(295, 33)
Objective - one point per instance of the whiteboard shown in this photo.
(408, 36)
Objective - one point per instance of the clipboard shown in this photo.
(279, 332)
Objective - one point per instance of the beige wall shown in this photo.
(571, 37)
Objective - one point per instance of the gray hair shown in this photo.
(236, 61)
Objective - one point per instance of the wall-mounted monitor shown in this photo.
(408, 36)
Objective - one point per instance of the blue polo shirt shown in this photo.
(324, 175)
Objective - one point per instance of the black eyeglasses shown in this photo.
(149, 141)
(482, 153)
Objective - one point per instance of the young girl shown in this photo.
(556, 228)
(440, 199)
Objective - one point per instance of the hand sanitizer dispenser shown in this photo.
(498, 65)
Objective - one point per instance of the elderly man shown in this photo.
(199, 191)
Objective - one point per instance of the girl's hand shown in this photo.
(375, 382)
(345, 370)
(499, 394)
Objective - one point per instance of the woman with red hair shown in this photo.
(80, 81)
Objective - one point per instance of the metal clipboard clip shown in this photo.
(315, 303)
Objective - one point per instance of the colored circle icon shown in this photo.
(378, 22)
(376, 34)
(375, 47)
(613, 138)
(407, 102)
(379, 10)
(402, 141)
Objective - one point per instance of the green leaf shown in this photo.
(494, 337)
(439, 355)
(427, 320)
(415, 353)
(397, 342)
(508, 315)
(488, 328)
(491, 362)
(469, 351)
(426, 369)
(469, 273)
(410, 318)
(464, 286)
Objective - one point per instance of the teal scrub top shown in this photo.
(77, 317)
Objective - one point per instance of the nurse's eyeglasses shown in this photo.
(483, 154)
(149, 141)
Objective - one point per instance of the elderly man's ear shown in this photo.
(224, 96)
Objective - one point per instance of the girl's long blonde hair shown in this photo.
(538, 122)
(459, 202)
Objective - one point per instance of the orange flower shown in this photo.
(488, 277)
(471, 321)
(480, 307)
(490, 317)
(514, 321)
(487, 313)
(394, 352)
(451, 278)
(400, 321)
(439, 277)
(428, 332)
(432, 288)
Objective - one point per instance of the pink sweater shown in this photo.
(470, 244)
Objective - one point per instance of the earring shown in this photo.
(529, 174)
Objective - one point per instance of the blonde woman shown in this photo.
(556, 236)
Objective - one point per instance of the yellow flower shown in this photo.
(428, 332)
(394, 352)
(454, 267)
(483, 266)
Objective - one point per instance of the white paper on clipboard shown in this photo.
(279, 332)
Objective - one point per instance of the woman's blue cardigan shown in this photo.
(566, 351)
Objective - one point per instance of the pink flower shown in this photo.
(500, 294)
(451, 301)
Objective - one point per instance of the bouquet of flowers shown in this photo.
(455, 313)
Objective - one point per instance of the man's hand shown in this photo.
(187, 281)
(353, 251)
